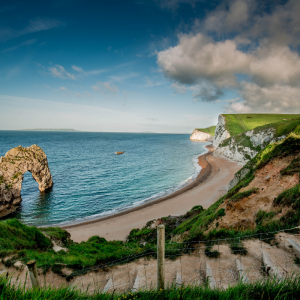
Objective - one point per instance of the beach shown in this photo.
(207, 188)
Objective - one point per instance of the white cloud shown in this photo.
(105, 87)
(26, 43)
(35, 25)
(88, 94)
(198, 57)
(63, 88)
(77, 69)
(259, 61)
(59, 71)
(179, 88)
(151, 82)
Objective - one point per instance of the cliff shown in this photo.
(244, 146)
(203, 134)
(13, 165)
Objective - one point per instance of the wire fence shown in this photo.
(217, 263)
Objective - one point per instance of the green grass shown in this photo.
(287, 289)
(245, 194)
(238, 123)
(210, 130)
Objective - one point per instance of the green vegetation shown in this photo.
(290, 197)
(242, 195)
(210, 130)
(238, 123)
(293, 167)
(262, 216)
(21, 242)
(287, 289)
(211, 253)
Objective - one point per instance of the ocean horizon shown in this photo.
(91, 182)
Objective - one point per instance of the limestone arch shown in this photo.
(13, 166)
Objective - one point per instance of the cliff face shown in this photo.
(13, 165)
(198, 135)
(244, 146)
(221, 133)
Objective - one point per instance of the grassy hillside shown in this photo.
(238, 123)
(281, 128)
(210, 130)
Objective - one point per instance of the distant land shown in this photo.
(50, 129)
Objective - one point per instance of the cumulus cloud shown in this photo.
(259, 61)
(198, 57)
(105, 88)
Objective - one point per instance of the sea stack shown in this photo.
(13, 165)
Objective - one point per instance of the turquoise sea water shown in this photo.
(91, 181)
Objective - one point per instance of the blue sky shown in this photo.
(134, 66)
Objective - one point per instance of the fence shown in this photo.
(216, 263)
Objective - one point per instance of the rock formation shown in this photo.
(13, 165)
(221, 132)
(199, 135)
(244, 146)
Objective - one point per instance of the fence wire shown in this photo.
(218, 263)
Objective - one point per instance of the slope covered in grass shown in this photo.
(238, 123)
(210, 130)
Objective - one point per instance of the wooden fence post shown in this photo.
(160, 257)
(31, 265)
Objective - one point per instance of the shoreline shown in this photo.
(208, 187)
(201, 177)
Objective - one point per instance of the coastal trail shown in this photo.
(208, 187)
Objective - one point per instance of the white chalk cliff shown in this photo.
(244, 146)
(201, 136)
(221, 133)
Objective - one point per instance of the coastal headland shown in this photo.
(209, 186)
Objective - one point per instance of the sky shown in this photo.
(146, 65)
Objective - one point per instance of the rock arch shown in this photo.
(13, 165)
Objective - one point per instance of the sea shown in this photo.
(91, 181)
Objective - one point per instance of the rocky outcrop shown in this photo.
(221, 133)
(246, 145)
(201, 136)
(13, 165)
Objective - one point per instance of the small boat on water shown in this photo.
(120, 152)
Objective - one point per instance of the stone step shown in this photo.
(209, 276)
(108, 285)
(295, 246)
(178, 279)
(136, 283)
(272, 270)
(240, 269)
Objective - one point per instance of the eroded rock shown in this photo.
(13, 166)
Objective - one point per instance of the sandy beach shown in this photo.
(208, 187)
